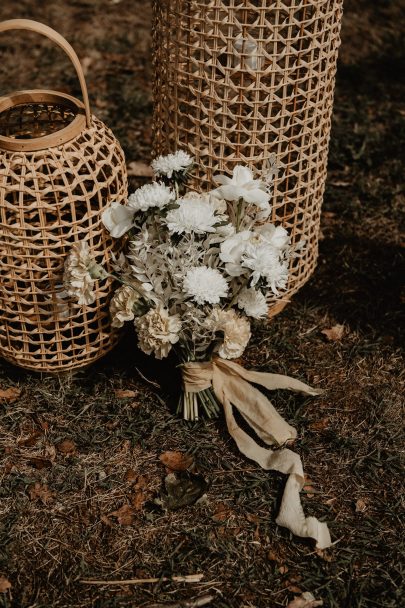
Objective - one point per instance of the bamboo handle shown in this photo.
(48, 32)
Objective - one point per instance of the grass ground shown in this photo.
(80, 468)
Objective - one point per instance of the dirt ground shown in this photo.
(80, 474)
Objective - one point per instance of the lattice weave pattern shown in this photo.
(48, 200)
(240, 80)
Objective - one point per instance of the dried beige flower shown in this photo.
(157, 331)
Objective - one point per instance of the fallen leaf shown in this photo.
(125, 515)
(107, 521)
(30, 440)
(183, 489)
(222, 512)
(139, 169)
(323, 555)
(294, 589)
(361, 506)
(335, 333)
(319, 425)
(124, 394)
(5, 584)
(9, 395)
(177, 461)
(138, 500)
(130, 476)
(40, 463)
(305, 600)
(308, 487)
(66, 446)
(253, 518)
(41, 492)
(283, 569)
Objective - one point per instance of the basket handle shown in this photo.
(48, 32)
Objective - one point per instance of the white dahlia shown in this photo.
(253, 303)
(80, 273)
(150, 195)
(205, 285)
(236, 331)
(193, 215)
(157, 331)
(122, 305)
(172, 163)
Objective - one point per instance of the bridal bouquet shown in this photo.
(198, 268)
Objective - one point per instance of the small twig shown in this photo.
(155, 384)
(199, 601)
(188, 578)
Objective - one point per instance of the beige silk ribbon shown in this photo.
(231, 385)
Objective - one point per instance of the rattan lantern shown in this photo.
(239, 81)
(59, 167)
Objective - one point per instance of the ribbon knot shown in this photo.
(232, 386)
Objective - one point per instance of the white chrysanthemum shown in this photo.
(151, 195)
(79, 274)
(264, 260)
(253, 303)
(243, 185)
(157, 331)
(205, 285)
(193, 215)
(172, 163)
(236, 330)
(122, 305)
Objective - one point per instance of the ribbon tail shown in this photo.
(291, 513)
(271, 381)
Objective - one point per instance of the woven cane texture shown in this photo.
(48, 200)
(240, 81)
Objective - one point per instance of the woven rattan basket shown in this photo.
(242, 80)
(59, 167)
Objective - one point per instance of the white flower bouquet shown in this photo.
(198, 266)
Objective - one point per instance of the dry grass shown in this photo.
(73, 453)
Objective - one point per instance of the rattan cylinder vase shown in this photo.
(246, 82)
(59, 168)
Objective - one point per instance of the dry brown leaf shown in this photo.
(125, 515)
(177, 461)
(107, 521)
(41, 492)
(319, 425)
(5, 584)
(283, 569)
(139, 169)
(30, 440)
(306, 600)
(335, 333)
(254, 519)
(308, 487)
(222, 512)
(130, 476)
(39, 462)
(66, 447)
(9, 395)
(323, 555)
(138, 500)
(361, 506)
(121, 393)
